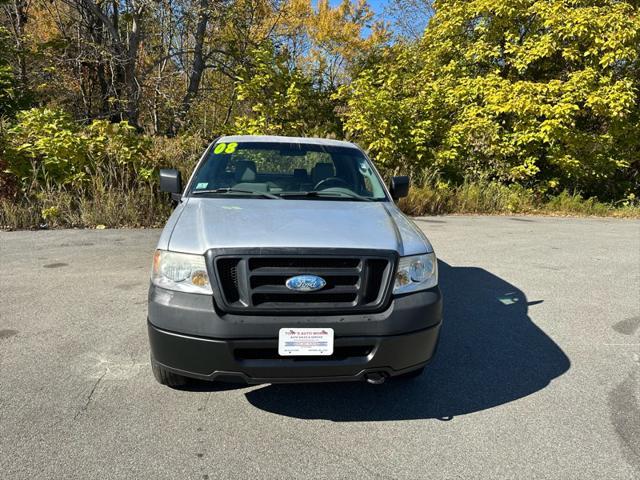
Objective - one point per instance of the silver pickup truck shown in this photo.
(287, 260)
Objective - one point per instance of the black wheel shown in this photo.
(165, 377)
(412, 374)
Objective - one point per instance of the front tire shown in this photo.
(166, 377)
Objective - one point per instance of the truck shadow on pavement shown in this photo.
(490, 353)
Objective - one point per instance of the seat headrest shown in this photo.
(300, 174)
(245, 171)
(322, 171)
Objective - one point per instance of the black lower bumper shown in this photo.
(191, 337)
(256, 361)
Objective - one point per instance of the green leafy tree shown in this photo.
(7, 80)
(8, 93)
(280, 99)
(287, 84)
(539, 92)
(8, 104)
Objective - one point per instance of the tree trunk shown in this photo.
(198, 66)
(130, 78)
(20, 13)
(125, 50)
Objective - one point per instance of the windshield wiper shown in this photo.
(323, 193)
(236, 190)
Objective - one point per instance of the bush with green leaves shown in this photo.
(542, 93)
(74, 175)
(118, 152)
(47, 150)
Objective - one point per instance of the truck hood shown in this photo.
(199, 224)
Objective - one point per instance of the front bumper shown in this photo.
(211, 359)
(190, 337)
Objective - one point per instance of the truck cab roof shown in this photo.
(284, 139)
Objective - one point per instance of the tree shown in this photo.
(8, 103)
(288, 84)
(539, 92)
(199, 64)
(172, 66)
(125, 43)
(279, 99)
(8, 97)
(409, 17)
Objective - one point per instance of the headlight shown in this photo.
(180, 271)
(416, 273)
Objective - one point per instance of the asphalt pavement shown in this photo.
(537, 374)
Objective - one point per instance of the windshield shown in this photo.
(287, 170)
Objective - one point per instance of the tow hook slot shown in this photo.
(375, 378)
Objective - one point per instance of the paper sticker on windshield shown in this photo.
(225, 148)
(202, 185)
(364, 167)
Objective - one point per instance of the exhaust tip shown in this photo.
(375, 378)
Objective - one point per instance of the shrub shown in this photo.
(44, 149)
(100, 174)
(433, 196)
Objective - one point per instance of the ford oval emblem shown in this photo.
(305, 283)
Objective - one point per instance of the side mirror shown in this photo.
(399, 187)
(171, 182)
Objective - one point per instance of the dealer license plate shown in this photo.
(305, 341)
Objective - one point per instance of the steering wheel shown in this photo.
(331, 182)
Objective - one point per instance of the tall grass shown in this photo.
(433, 197)
(139, 204)
(140, 207)
(115, 194)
